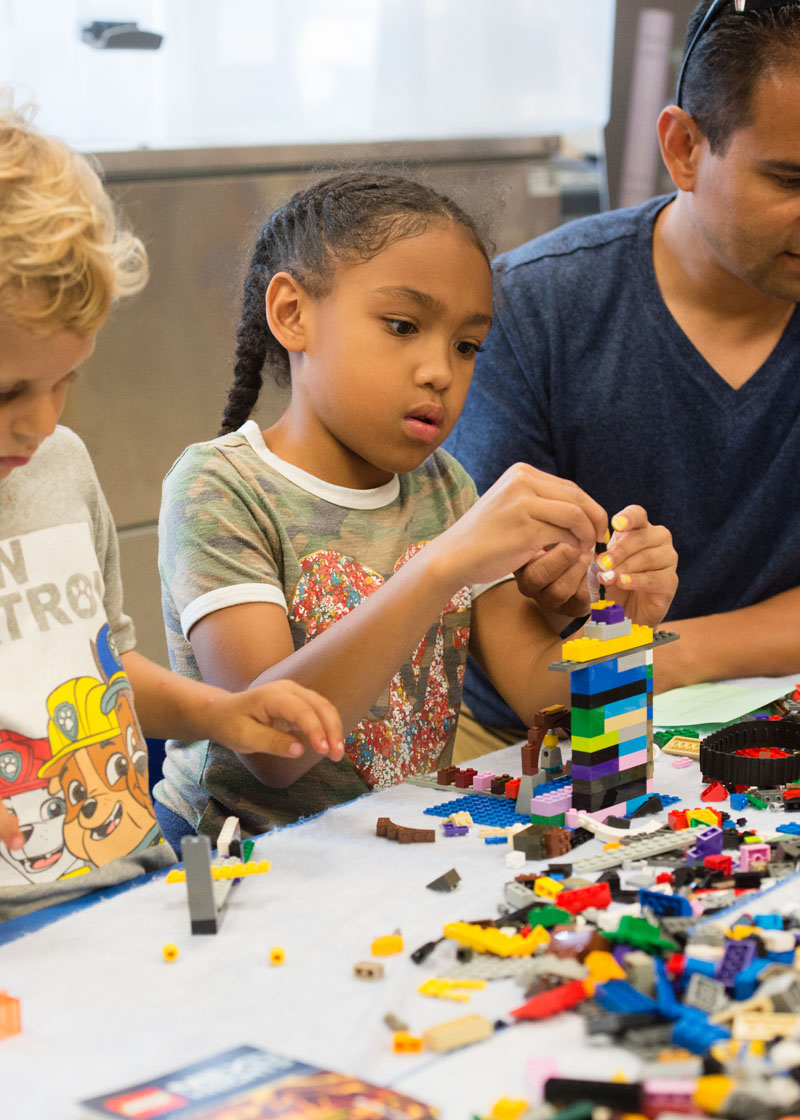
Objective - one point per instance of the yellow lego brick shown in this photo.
(547, 887)
(704, 816)
(507, 1109)
(683, 746)
(754, 839)
(540, 935)
(765, 1026)
(442, 988)
(490, 940)
(602, 967)
(176, 876)
(586, 649)
(712, 1091)
(387, 946)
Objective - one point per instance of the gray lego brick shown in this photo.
(642, 848)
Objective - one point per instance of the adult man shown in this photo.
(652, 355)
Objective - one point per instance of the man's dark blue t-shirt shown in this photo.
(586, 375)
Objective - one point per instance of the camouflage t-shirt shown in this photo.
(240, 525)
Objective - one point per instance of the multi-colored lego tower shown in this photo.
(611, 669)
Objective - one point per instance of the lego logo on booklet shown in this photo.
(142, 1104)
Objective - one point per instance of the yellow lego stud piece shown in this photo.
(277, 955)
(547, 887)
(506, 1109)
(387, 946)
(449, 989)
(712, 1091)
(405, 1043)
(170, 952)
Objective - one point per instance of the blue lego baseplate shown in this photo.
(483, 810)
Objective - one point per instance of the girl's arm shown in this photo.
(354, 660)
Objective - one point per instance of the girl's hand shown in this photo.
(269, 718)
(641, 566)
(9, 830)
(525, 512)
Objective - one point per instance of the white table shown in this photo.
(101, 1008)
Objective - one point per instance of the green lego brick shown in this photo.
(594, 742)
(588, 721)
(558, 819)
(549, 916)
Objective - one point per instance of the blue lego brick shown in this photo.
(620, 996)
(626, 705)
(738, 801)
(632, 746)
(768, 921)
(694, 1032)
(598, 678)
(747, 981)
(697, 964)
(551, 787)
(495, 839)
(792, 828)
(671, 905)
(668, 1003)
(483, 810)
(667, 799)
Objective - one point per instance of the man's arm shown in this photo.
(762, 640)
(514, 645)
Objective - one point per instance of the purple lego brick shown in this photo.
(709, 842)
(450, 829)
(590, 773)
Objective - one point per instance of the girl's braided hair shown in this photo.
(347, 217)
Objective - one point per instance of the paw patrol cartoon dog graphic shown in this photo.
(40, 814)
(98, 767)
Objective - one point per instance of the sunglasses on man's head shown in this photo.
(714, 10)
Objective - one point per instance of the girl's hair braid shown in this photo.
(347, 217)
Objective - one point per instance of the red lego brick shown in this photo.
(665, 877)
(675, 964)
(715, 792)
(545, 1004)
(721, 863)
(512, 788)
(599, 895)
(677, 819)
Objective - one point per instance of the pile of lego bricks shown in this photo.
(711, 1006)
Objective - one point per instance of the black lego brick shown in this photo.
(621, 692)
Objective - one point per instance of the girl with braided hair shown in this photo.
(346, 524)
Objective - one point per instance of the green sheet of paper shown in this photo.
(717, 702)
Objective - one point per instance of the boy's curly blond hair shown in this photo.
(63, 259)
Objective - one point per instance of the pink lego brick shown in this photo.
(482, 781)
(571, 818)
(629, 760)
(549, 804)
(753, 853)
(650, 785)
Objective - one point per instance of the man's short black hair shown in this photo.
(729, 58)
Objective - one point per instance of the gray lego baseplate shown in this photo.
(660, 638)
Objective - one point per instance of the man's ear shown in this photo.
(287, 304)
(681, 143)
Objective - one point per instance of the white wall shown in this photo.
(242, 72)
